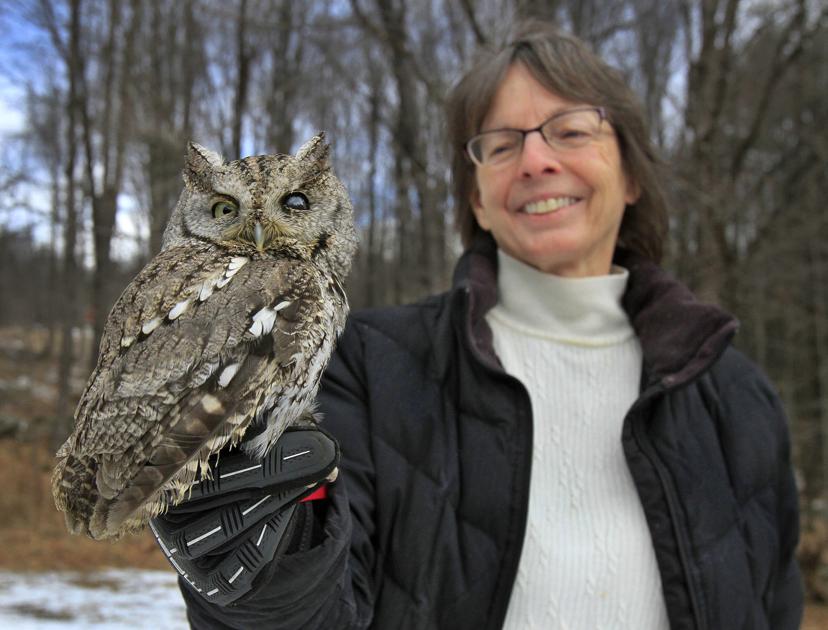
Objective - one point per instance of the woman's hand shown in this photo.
(245, 514)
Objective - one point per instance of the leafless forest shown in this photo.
(109, 92)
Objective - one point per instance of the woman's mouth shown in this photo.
(545, 206)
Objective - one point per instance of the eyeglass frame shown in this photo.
(602, 114)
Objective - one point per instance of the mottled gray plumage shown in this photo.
(229, 326)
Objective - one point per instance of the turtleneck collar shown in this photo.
(582, 311)
(679, 335)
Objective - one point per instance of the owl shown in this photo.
(224, 333)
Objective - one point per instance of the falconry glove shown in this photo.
(246, 513)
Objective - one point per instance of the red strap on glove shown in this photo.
(320, 493)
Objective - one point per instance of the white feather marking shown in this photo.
(211, 404)
(237, 263)
(267, 317)
(223, 282)
(280, 306)
(126, 342)
(178, 309)
(256, 329)
(206, 289)
(227, 374)
(151, 325)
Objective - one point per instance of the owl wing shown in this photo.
(186, 356)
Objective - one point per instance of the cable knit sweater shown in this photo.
(587, 560)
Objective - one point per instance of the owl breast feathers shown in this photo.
(229, 327)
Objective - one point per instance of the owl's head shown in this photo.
(267, 204)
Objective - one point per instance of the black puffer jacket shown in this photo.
(426, 523)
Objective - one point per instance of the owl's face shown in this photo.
(266, 204)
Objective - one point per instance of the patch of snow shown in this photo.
(20, 383)
(116, 599)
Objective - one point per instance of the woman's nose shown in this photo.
(537, 157)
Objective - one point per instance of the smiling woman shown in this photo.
(530, 81)
(567, 438)
(555, 206)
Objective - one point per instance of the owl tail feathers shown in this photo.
(74, 492)
(207, 423)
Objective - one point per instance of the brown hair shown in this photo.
(565, 66)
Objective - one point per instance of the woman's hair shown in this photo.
(566, 67)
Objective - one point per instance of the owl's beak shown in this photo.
(261, 231)
(259, 236)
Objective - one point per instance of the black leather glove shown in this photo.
(245, 516)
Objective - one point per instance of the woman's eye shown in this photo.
(296, 201)
(223, 209)
(499, 148)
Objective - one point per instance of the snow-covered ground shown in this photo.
(110, 600)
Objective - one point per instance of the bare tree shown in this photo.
(105, 132)
(69, 49)
(244, 58)
(174, 69)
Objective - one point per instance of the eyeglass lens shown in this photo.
(566, 130)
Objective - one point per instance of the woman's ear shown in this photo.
(479, 211)
(632, 191)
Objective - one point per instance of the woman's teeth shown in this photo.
(548, 205)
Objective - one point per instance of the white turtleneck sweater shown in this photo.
(588, 559)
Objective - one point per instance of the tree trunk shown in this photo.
(70, 285)
(373, 256)
(243, 59)
(113, 132)
(286, 54)
(408, 134)
(819, 320)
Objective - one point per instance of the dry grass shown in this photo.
(816, 617)
(33, 532)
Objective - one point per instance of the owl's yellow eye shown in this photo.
(224, 209)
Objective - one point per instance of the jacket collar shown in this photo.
(680, 336)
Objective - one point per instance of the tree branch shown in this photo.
(781, 63)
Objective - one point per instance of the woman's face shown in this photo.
(577, 238)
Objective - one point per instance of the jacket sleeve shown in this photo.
(760, 449)
(328, 586)
(786, 598)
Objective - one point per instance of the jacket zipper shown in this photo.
(646, 447)
(644, 444)
(512, 562)
(506, 584)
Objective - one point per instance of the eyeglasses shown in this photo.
(569, 129)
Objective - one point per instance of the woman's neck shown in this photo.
(575, 310)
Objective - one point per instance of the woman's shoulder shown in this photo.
(400, 320)
(413, 327)
(751, 421)
(735, 376)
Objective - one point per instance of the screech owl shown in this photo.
(227, 329)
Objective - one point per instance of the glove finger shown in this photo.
(233, 576)
(299, 458)
(219, 528)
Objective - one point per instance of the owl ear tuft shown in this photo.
(316, 152)
(200, 165)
